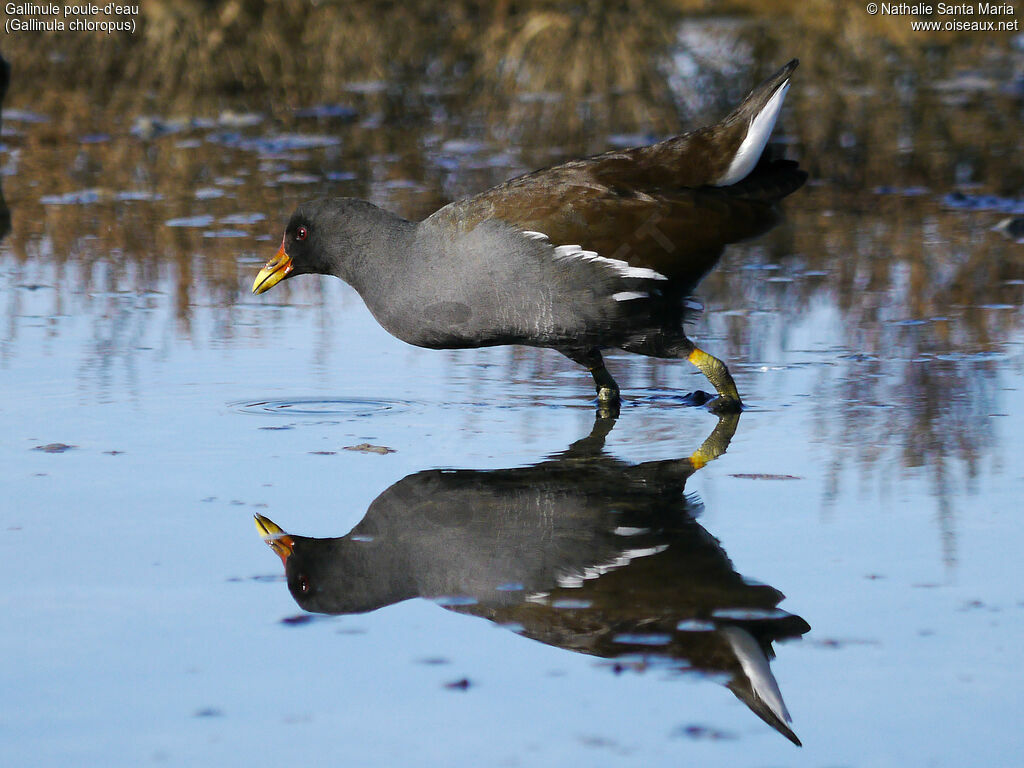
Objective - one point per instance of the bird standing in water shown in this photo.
(589, 255)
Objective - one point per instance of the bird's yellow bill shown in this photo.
(276, 538)
(273, 272)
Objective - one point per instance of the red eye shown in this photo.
(301, 233)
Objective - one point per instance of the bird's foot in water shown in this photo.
(608, 402)
(723, 405)
(719, 404)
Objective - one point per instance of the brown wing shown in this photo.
(621, 205)
(657, 206)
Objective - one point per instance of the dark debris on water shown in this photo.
(54, 447)
(702, 732)
(762, 476)
(369, 448)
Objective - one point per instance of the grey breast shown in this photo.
(494, 284)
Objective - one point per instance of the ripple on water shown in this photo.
(348, 407)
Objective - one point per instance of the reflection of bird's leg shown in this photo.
(607, 389)
(592, 444)
(717, 442)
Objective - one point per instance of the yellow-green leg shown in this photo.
(728, 396)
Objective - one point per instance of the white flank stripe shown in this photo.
(753, 145)
(576, 578)
(639, 272)
(622, 267)
(629, 295)
(535, 235)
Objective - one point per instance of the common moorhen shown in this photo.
(588, 255)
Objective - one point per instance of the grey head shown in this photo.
(334, 236)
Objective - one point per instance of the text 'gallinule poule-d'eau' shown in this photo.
(591, 254)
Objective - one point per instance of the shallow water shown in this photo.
(557, 589)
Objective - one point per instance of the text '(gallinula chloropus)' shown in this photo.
(588, 255)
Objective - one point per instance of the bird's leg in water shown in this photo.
(728, 400)
(607, 389)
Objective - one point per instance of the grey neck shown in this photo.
(373, 246)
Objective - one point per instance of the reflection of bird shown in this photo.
(582, 552)
(583, 256)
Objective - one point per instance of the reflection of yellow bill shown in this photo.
(273, 272)
(276, 539)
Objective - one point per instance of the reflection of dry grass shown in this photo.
(598, 59)
(553, 74)
(914, 382)
(293, 51)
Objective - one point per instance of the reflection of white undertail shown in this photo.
(755, 667)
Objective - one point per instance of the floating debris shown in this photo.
(763, 476)
(702, 732)
(54, 447)
(368, 448)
